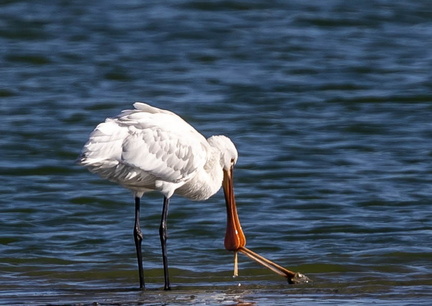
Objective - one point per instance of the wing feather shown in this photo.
(146, 148)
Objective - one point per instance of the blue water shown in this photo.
(328, 102)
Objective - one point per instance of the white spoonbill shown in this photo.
(150, 149)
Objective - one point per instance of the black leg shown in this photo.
(163, 239)
(138, 237)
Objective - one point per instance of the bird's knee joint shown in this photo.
(138, 235)
(163, 234)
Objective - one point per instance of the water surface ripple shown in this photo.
(328, 102)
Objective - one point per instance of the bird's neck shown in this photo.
(206, 181)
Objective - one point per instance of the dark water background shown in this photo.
(328, 102)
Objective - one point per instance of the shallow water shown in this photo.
(328, 103)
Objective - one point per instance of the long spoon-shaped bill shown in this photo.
(234, 236)
(235, 239)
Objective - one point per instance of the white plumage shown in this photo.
(152, 149)
(147, 149)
